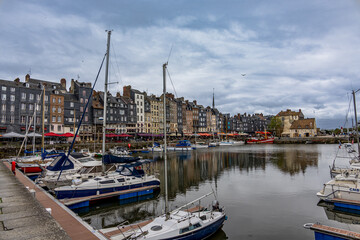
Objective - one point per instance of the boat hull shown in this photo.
(253, 141)
(75, 193)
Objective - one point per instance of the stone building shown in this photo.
(287, 118)
(303, 128)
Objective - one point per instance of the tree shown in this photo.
(276, 126)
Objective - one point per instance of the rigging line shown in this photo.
(82, 117)
(169, 53)
(347, 114)
(116, 61)
(171, 82)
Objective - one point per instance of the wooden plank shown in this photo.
(335, 231)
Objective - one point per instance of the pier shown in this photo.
(29, 212)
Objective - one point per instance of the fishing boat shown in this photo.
(261, 138)
(182, 145)
(238, 143)
(126, 176)
(180, 223)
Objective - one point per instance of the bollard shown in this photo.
(48, 210)
(32, 191)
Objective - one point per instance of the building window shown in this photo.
(31, 107)
(59, 100)
(23, 96)
(12, 98)
(3, 88)
(71, 112)
(3, 118)
(53, 119)
(46, 108)
(53, 100)
(84, 93)
(38, 120)
(23, 106)
(38, 97)
(81, 109)
(12, 108)
(59, 119)
(59, 128)
(3, 97)
(12, 119)
(3, 107)
(54, 109)
(45, 120)
(31, 96)
(81, 100)
(86, 118)
(71, 104)
(46, 98)
(23, 118)
(59, 110)
(12, 89)
(38, 107)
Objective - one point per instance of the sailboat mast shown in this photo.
(105, 97)
(356, 122)
(165, 158)
(43, 123)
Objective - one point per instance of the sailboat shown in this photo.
(120, 180)
(196, 223)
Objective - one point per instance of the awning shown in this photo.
(34, 134)
(51, 134)
(13, 134)
(67, 135)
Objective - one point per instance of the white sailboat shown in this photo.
(177, 224)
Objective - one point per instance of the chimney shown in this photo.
(126, 91)
(118, 94)
(17, 80)
(195, 102)
(63, 82)
(300, 110)
(27, 78)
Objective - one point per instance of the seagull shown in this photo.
(243, 74)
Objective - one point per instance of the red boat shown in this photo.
(263, 138)
(29, 167)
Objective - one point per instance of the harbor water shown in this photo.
(269, 191)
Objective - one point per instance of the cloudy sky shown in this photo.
(295, 54)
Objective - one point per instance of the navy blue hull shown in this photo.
(202, 233)
(90, 192)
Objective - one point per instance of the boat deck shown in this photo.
(111, 232)
(121, 194)
(342, 233)
(72, 224)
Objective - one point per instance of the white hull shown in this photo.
(179, 148)
(343, 187)
(226, 143)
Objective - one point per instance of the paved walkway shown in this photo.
(74, 227)
(21, 216)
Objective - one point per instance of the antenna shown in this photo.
(78, 77)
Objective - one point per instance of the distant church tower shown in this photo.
(213, 99)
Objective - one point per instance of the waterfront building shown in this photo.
(155, 105)
(138, 97)
(208, 114)
(287, 118)
(195, 110)
(179, 105)
(188, 129)
(303, 128)
(202, 119)
(18, 102)
(81, 92)
(172, 114)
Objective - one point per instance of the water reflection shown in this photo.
(112, 212)
(342, 215)
(189, 173)
(190, 169)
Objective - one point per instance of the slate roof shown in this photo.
(303, 124)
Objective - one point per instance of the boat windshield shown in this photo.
(53, 163)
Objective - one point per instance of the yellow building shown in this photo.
(303, 128)
(287, 118)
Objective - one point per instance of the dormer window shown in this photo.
(27, 85)
(53, 86)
